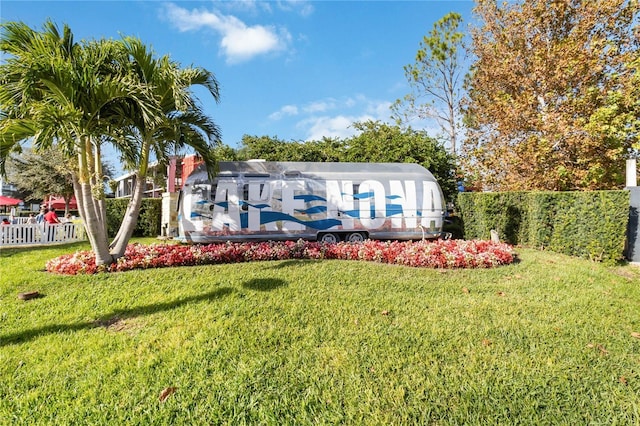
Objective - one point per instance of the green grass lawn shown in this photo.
(547, 340)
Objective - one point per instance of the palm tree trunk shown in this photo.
(92, 210)
(95, 229)
(119, 243)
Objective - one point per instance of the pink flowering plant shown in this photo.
(424, 254)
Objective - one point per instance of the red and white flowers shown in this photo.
(424, 254)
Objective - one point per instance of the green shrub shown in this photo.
(148, 221)
(591, 225)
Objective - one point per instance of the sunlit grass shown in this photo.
(547, 340)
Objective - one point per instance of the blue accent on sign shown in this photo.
(268, 217)
(273, 216)
(351, 213)
(313, 210)
(363, 195)
(394, 209)
(309, 197)
(258, 206)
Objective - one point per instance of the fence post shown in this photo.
(633, 227)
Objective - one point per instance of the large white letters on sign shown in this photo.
(226, 211)
(406, 198)
(372, 204)
(431, 203)
(340, 200)
(259, 195)
(290, 204)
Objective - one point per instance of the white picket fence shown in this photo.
(25, 234)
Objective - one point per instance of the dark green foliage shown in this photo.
(542, 208)
(380, 142)
(591, 225)
(274, 149)
(375, 142)
(482, 212)
(454, 225)
(148, 222)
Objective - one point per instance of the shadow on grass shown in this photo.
(264, 284)
(116, 315)
(293, 262)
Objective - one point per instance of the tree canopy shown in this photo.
(381, 142)
(436, 79)
(39, 175)
(375, 142)
(179, 122)
(553, 94)
(274, 149)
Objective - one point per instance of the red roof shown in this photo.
(8, 201)
(58, 203)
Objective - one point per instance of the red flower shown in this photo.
(424, 254)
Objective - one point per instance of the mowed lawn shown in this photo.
(548, 340)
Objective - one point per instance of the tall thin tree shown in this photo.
(436, 79)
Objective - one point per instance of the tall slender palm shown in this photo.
(180, 123)
(56, 92)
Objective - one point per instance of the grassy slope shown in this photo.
(544, 341)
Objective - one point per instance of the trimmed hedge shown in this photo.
(591, 225)
(148, 221)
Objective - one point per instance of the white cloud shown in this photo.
(320, 106)
(254, 6)
(319, 127)
(287, 110)
(239, 42)
(315, 122)
(303, 7)
(380, 109)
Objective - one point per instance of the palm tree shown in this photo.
(57, 93)
(77, 97)
(180, 123)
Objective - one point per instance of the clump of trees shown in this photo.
(550, 93)
(374, 142)
(39, 175)
(553, 94)
(77, 97)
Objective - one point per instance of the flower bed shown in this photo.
(425, 254)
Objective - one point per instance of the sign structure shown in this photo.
(323, 201)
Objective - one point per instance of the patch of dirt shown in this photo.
(626, 273)
(117, 324)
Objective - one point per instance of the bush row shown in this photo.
(591, 225)
(148, 222)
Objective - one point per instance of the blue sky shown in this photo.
(296, 70)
